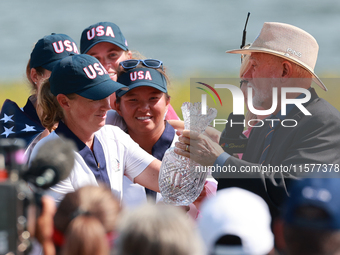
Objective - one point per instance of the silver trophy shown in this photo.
(180, 179)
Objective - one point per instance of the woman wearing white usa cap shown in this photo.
(24, 123)
(77, 96)
(106, 42)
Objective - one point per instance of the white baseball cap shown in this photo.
(238, 212)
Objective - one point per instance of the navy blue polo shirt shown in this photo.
(164, 142)
(95, 159)
(159, 148)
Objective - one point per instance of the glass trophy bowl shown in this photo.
(180, 179)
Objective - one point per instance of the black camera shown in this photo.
(22, 187)
(16, 200)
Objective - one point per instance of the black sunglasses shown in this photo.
(132, 63)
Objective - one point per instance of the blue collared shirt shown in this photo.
(95, 159)
(164, 142)
(159, 148)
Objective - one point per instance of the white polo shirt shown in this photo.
(134, 194)
(122, 156)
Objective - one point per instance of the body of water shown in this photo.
(189, 36)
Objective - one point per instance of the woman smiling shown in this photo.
(143, 108)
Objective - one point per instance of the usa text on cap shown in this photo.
(84, 75)
(138, 77)
(50, 49)
(102, 32)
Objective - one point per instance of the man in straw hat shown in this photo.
(282, 56)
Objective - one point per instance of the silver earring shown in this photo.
(35, 82)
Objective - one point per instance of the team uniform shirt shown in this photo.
(135, 194)
(114, 155)
(113, 118)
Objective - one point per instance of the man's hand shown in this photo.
(198, 147)
(213, 134)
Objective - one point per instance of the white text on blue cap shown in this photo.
(140, 75)
(68, 46)
(96, 66)
(100, 32)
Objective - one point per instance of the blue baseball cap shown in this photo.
(84, 75)
(320, 193)
(50, 49)
(102, 32)
(138, 77)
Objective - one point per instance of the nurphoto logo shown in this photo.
(238, 102)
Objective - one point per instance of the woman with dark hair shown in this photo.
(143, 108)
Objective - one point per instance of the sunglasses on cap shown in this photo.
(132, 63)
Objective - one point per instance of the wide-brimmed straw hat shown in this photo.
(288, 42)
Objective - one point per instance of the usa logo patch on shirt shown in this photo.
(115, 165)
